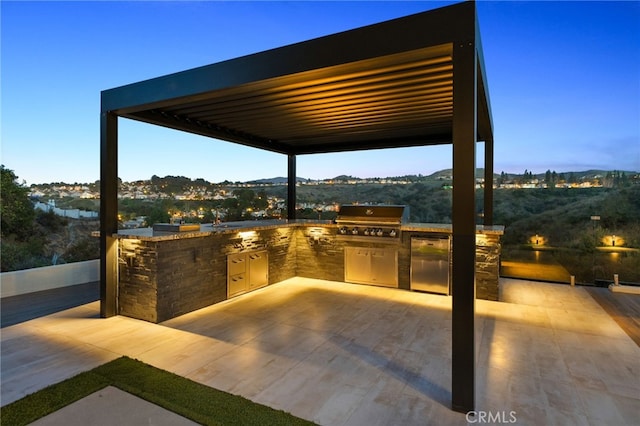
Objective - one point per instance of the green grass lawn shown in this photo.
(189, 399)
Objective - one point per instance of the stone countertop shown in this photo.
(209, 229)
(448, 229)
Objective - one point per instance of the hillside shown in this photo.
(564, 216)
(73, 241)
(558, 213)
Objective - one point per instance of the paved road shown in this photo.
(24, 307)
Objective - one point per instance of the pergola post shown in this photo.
(108, 214)
(488, 182)
(464, 228)
(291, 187)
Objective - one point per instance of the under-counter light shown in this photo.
(247, 234)
(130, 243)
(481, 239)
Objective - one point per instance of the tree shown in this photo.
(158, 214)
(22, 245)
(260, 202)
(624, 181)
(16, 210)
(503, 178)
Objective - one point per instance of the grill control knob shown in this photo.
(379, 232)
(343, 230)
(366, 231)
(392, 233)
(354, 231)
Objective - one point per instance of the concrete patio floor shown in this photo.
(344, 354)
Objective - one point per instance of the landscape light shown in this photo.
(612, 240)
(537, 240)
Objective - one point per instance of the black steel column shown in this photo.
(464, 228)
(108, 214)
(488, 182)
(291, 187)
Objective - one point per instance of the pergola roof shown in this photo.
(381, 86)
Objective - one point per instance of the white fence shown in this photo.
(49, 277)
(72, 213)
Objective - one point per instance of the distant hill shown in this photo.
(447, 173)
(176, 183)
(275, 180)
(345, 177)
(586, 174)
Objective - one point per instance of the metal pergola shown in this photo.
(413, 81)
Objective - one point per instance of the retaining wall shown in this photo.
(49, 277)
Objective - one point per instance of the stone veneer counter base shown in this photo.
(163, 275)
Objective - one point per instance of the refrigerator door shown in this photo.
(430, 264)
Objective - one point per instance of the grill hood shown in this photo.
(373, 214)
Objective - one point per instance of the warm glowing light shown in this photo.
(130, 243)
(247, 234)
(481, 239)
(537, 240)
(612, 240)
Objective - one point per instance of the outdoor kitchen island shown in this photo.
(164, 274)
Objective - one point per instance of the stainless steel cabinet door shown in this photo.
(236, 264)
(258, 269)
(384, 267)
(236, 284)
(371, 266)
(357, 265)
(246, 272)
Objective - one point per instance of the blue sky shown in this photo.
(564, 81)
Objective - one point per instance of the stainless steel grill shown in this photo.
(374, 223)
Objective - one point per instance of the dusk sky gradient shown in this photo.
(563, 78)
